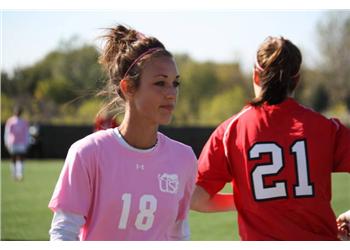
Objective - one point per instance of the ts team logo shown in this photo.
(168, 183)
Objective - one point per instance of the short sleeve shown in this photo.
(73, 190)
(342, 148)
(184, 205)
(213, 167)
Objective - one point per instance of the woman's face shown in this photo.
(156, 96)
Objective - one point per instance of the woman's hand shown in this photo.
(343, 223)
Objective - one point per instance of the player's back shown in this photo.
(282, 157)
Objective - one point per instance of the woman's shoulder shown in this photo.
(318, 119)
(175, 145)
(184, 154)
(11, 120)
(91, 142)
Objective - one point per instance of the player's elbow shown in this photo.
(199, 200)
(195, 204)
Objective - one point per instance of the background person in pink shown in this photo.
(16, 138)
(279, 157)
(130, 182)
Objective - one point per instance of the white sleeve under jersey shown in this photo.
(181, 230)
(66, 226)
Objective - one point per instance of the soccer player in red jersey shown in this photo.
(279, 156)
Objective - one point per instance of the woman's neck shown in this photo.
(257, 90)
(139, 134)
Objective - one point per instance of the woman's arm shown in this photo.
(66, 226)
(202, 202)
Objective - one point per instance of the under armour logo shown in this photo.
(140, 167)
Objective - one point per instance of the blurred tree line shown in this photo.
(61, 88)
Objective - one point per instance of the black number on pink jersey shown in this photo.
(262, 192)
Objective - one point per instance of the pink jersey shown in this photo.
(16, 131)
(126, 194)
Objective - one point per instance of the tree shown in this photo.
(7, 105)
(198, 82)
(61, 81)
(320, 98)
(334, 43)
(222, 106)
(61, 88)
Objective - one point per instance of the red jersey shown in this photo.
(279, 159)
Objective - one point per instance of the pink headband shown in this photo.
(140, 57)
(257, 65)
(260, 69)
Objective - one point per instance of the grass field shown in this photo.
(25, 216)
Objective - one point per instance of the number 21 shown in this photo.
(303, 187)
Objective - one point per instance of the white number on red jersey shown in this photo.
(303, 187)
(261, 192)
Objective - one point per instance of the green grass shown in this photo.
(25, 216)
(24, 211)
(214, 226)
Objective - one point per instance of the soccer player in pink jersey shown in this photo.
(278, 155)
(16, 139)
(130, 182)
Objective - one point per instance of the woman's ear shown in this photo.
(123, 86)
(256, 83)
(126, 89)
(256, 78)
